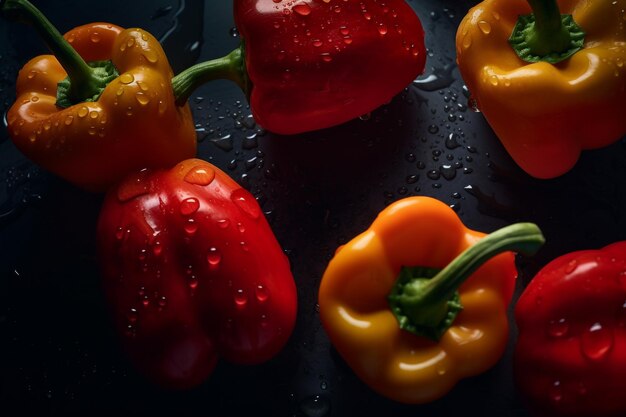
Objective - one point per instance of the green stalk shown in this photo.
(85, 82)
(546, 34)
(426, 301)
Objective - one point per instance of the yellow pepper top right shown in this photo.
(548, 75)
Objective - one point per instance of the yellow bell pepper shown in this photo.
(550, 85)
(407, 332)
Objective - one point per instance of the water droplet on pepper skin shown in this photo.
(241, 299)
(189, 206)
(485, 27)
(246, 203)
(214, 258)
(83, 111)
(261, 293)
(596, 342)
(302, 9)
(558, 328)
(200, 175)
(127, 78)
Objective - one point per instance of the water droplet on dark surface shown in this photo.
(440, 77)
(315, 406)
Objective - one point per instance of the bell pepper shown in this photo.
(570, 358)
(418, 301)
(92, 124)
(312, 64)
(192, 272)
(549, 84)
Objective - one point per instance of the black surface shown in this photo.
(58, 353)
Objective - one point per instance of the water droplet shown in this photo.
(223, 223)
(32, 74)
(132, 315)
(213, 259)
(558, 328)
(317, 43)
(452, 141)
(162, 302)
(189, 206)
(200, 175)
(315, 406)
(34, 99)
(130, 43)
(344, 30)
(94, 115)
(241, 299)
(142, 98)
(233, 32)
(157, 248)
(95, 37)
(83, 111)
(556, 393)
(485, 27)
(433, 174)
(434, 129)
(447, 171)
(151, 56)
(193, 282)
(244, 246)
(382, 29)
(191, 227)
(303, 9)
(596, 342)
(127, 78)
(261, 293)
(323, 385)
(246, 203)
(69, 120)
(162, 106)
(493, 79)
(467, 40)
(241, 227)
(326, 57)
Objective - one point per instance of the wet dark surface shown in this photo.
(59, 353)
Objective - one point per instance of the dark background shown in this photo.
(58, 353)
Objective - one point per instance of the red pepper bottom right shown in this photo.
(570, 358)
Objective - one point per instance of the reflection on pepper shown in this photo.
(418, 301)
(552, 87)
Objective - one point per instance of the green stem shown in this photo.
(85, 83)
(546, 34)
(426, 302)
(549, 34)
(231, 67)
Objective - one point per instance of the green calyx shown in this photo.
(103, 73)
(546, 35)
(426, 301)
(84, 82)
(231, 67)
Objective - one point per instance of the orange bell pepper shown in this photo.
(550, 85)
(105, 119)
(412, 333)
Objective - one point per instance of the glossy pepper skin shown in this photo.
(354, 307)
(134, 123)
(545, 114)
(570, 358)
(193, 272)
(318, 63)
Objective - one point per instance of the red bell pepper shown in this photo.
(192, 271)
(312, 64)
(570, 358)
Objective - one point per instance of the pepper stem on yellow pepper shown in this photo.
(84, 82)
(231, 67)
(425, 301)
(546, 35)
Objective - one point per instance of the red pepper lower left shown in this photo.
(193, 272)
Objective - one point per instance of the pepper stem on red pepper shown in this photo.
(546, 34)
(426, 301)
(231, 67)
(84, 82)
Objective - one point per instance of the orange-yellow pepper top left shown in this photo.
(134, 124)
